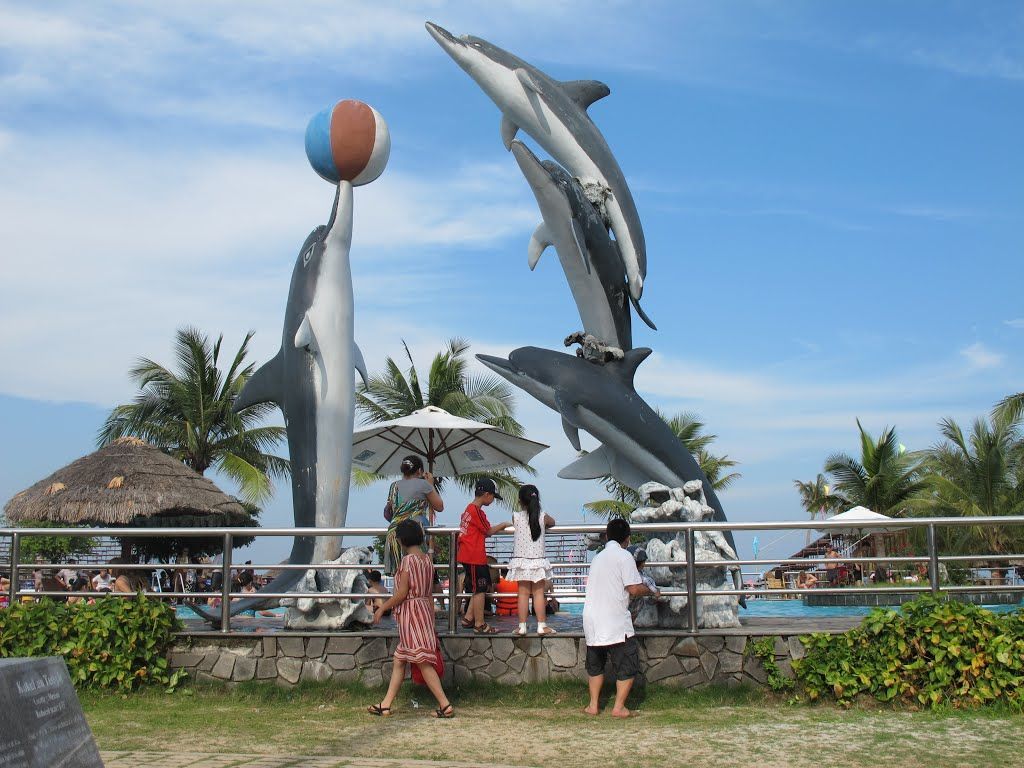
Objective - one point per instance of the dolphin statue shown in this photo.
(587, 254)
(637, 446)
(310, 380)
(554, 113)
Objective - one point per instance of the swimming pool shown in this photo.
(797, 609)
(762, 608)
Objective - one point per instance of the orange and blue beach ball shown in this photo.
(348, 142)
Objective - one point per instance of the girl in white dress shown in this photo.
(529, 566)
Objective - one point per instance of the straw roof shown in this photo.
(127, 483)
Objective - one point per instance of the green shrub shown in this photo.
(930, 653)
(118, 643)
(764, 649)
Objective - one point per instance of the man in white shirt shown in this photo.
(607, 625)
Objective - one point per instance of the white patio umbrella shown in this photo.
(449, 444)
(855, 519)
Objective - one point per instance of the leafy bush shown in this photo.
(764, 649)
(931, 653)
(118, 643)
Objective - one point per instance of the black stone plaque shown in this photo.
(41, 721)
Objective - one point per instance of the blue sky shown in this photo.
(831, 193)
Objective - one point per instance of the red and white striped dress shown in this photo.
(417, 635)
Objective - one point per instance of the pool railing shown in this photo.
(687, 531)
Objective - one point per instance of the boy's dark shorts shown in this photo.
(625, 658)
(478, 578)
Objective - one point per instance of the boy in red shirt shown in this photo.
(473, 529)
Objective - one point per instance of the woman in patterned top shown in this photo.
(529, 564)
(414, 608)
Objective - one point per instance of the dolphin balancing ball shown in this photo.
(348, 142)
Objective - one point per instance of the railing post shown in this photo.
(225, 587)
(453, 584)
(933, 559)
(15, 556)
(691, 580)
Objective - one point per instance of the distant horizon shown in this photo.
(830, 195)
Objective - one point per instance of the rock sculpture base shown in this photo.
(686, 504)
(330, 613)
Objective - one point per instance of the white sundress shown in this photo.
(528, 561)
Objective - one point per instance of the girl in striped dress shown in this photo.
(414, 609)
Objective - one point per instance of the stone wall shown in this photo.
(687, 662)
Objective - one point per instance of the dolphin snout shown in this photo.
(498, 364)
(443, 37)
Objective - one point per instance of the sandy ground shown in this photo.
(720, 736)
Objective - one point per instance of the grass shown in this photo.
(541, 725)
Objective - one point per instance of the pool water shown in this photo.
(763, 608)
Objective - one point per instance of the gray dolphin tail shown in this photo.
(282, 583)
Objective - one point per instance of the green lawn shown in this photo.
(541, 725)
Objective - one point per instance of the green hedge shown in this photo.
(118, 643)
(930, 652)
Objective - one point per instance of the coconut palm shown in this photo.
(188, 413)
(817, 498)
(886, 479)
(690, 431)
(979, 475)
(449, 385)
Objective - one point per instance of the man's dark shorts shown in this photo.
(625, 658)
(478, 578)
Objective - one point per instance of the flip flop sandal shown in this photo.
(379, 711)
(547, 631)
(485, 629)
(444, 713)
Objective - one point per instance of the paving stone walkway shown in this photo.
(147, 759)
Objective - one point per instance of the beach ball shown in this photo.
(349, 141)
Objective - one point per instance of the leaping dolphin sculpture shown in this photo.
(587, 254)
(554, 113)
(637, 446)
(310, 379)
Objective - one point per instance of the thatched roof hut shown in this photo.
(128, 483)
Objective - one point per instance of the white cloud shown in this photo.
(980, 357)
(1016, 323)
(107, 252)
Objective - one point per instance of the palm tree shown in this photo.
(449, 385)
(979, 475)
(886, 479)
(690, 431)
(188, 414)
(817, 498)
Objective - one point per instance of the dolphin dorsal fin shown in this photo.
(527, 80)
(357, 355)
(509, 129)
(631, 361)
(263, 386)
(585, 92)
(539, 242)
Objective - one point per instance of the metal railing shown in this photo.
(454, 597)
